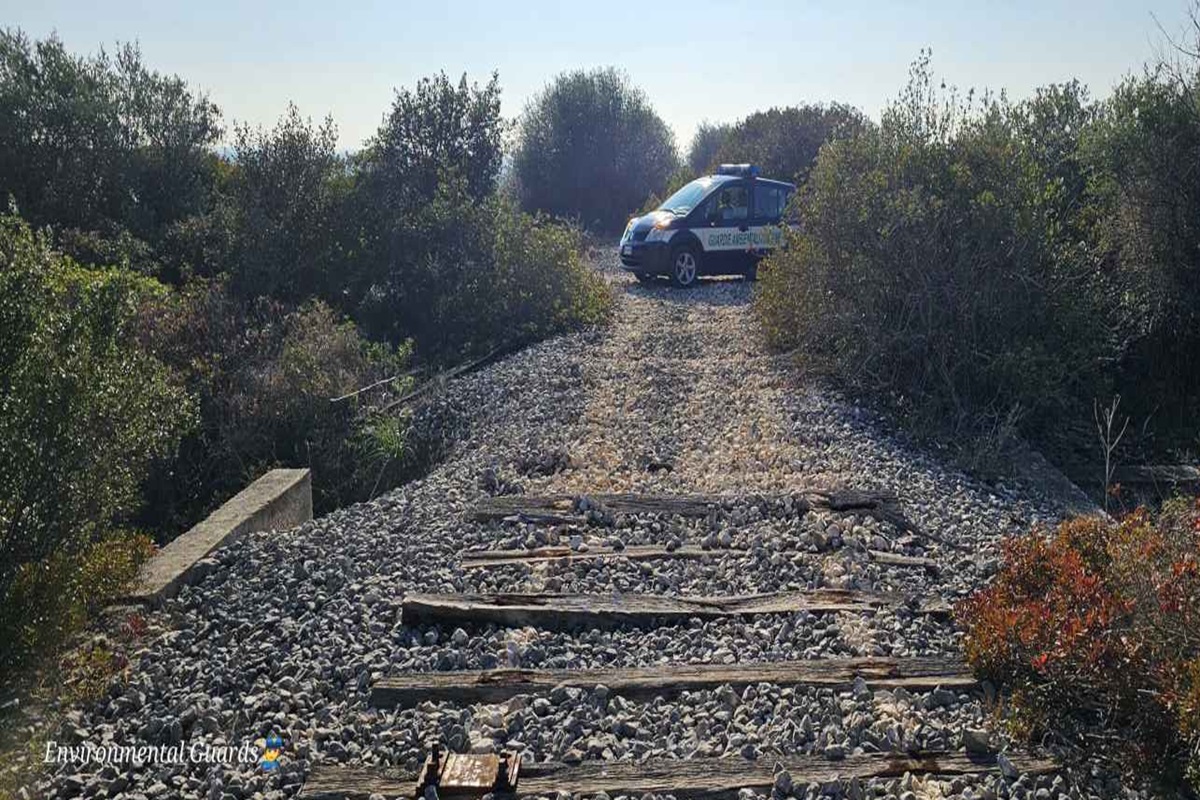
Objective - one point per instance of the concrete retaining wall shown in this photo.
(279, 500)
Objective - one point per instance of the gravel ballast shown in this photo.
(289, 629)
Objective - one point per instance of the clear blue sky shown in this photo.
(695, 60)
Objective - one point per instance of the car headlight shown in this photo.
(658, 235)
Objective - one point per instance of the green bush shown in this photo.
(1142, 160)
(590, 147)
(85, 412)
(480, 275)
(287, 192)
(932, 268)
(264, 379)
(784, 142)
(706, 143)
(102, 141)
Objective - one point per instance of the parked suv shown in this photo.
(720, 224)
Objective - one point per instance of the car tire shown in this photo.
(646, 278)
(685, 266)
(751, 272)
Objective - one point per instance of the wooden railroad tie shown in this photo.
(569, 611)
(690, 779)
(409, 689)
(480, 559)
(558, 509)
(881, 505)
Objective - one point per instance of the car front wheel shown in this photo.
(685, 266)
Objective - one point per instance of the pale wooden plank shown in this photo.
(693, 779)
(494, 686)
(567, 611)
(480, 559)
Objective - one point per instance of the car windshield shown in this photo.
(688, 197)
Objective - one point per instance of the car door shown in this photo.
(770, 200)
(724, 228)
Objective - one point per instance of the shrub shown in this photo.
(264, 379)
(481, 275)
(1097, 628)
(287, 191)
(706, 143)
(591, 147)
(932, 268)
(84, 415)
(51, 600)
(1142, 156)
(435, 128)
(784, 142)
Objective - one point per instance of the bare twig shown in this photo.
(1105, 417)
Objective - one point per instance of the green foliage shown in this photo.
(1141, 157)
(52, 600)
(264, 378)
(287, 193)
(784, 142)
(590, 147)
(84, 413)
(706, 144)
(90, 142)
(431, 130)
(978, 262)
(445, 260)
(933, 266)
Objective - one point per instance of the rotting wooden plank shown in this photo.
(408, 689)
(883, 506)
(713, 779)
(478, 559)
(691, 779)
(567, 611)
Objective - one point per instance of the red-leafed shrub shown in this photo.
(1095, 629)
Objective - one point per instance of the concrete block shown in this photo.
(279, 500)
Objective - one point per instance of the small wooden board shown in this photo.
(479, 559)
(409, 689)
(686, 779)
(568, 611)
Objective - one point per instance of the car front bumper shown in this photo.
(649, 257)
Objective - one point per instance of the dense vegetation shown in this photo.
(1096, 627)
(176, 320)
(590, 146)
(990, 267)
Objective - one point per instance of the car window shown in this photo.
(728, 204)
(769, 201)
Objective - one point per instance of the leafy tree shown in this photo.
(785, 141)
(287, 190)
(706, 144)
(435, 128)
(101, 143)
(590, 146)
